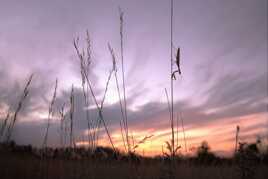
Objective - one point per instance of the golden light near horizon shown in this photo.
(220, 137)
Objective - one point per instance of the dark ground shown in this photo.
(23, 165)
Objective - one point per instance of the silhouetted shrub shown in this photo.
(204, 155)
(247, 158)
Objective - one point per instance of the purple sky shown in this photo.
(223, 53)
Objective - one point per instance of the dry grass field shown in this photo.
(23, 162)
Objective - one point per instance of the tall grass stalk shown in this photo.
(50, 114)
(85, 61)
(99, 108)
(184, 134)
(102, 104)
(171, 80)
(122, 120)
(173, 77)
(121, 14)
(86, 104)
(3, 127)
(87, 65)
(65, 136)
(15, 117)
(105, 91)
(177, 131)
(169, 108)
(172, 151)
(44, 145)
(72, 141)
(236, 138)
(122, 135)
(62, 119)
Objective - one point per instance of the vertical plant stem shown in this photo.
(50, 113)
(72, 142)
(99, 108)
(123, 127)
(171, 80)
(122, 120)
(169, 108)
(85, 63)
(23, 97)
(3, 127)
(177, 131)
(87, 114)
(102, 101)
(184, 135)
(122, 135)
(62, 117)
(172, 166)
(236, 138)
(123, 75)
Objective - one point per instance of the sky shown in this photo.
(224, 65)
